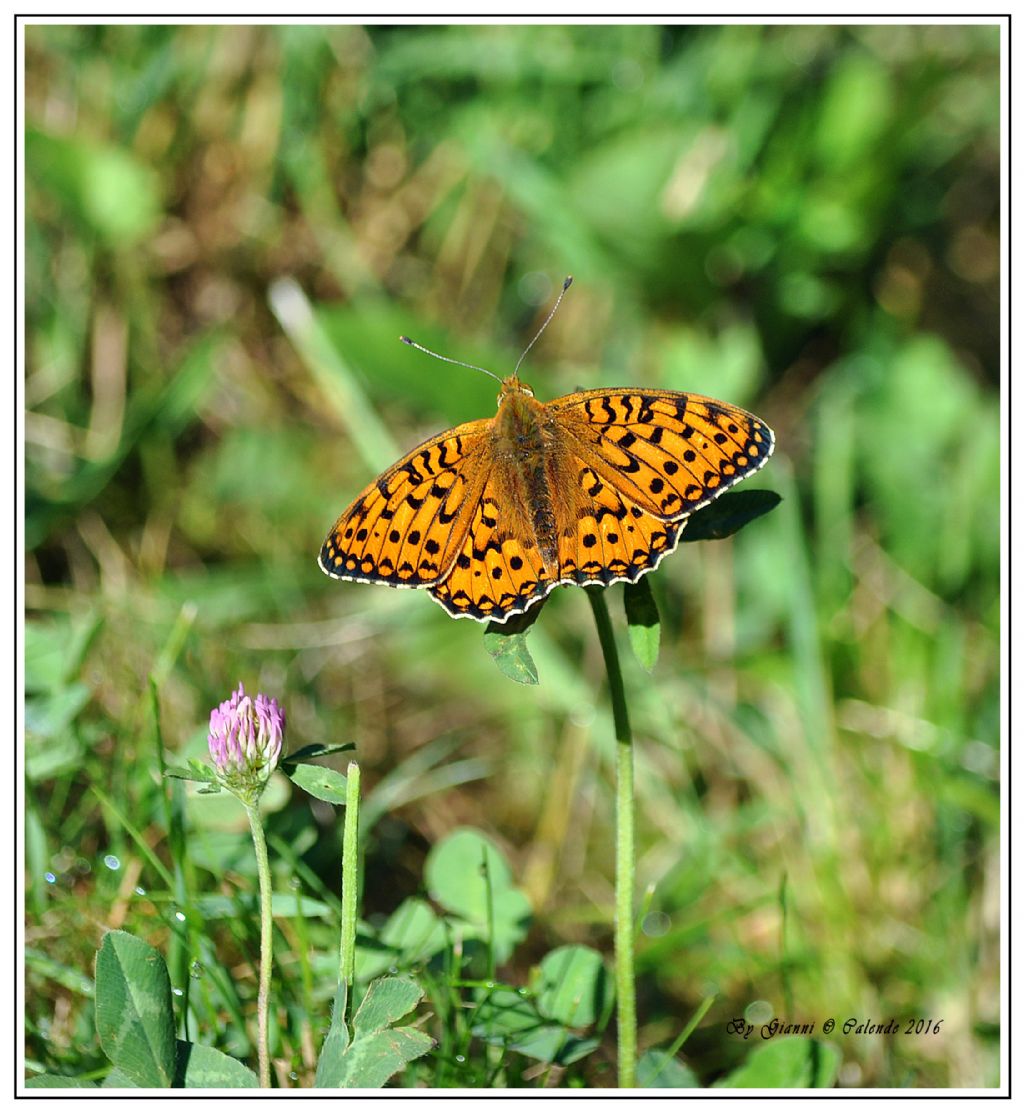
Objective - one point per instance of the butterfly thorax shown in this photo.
(527, 457)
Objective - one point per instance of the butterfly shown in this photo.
(591, 488)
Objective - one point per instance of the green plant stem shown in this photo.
(625, 852)
(349, 880)
(266, 941)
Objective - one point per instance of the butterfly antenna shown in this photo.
(446, 359)
(554, 309)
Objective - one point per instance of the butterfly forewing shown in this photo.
(407, 525)
(670, 452)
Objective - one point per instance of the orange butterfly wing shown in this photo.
(669, 452)
(498, 572)
(405, 527)
(650, 459)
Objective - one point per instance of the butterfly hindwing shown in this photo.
(497, 572)
(404, 524)
(669, 452)
(614, 538)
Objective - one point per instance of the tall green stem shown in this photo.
(625, 842)
(266, 941)
(349, 880)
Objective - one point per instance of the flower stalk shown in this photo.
(625, 852)
(349, 881)
(259, 841)
(246, 737)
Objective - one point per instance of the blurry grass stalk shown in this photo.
(349, 881)
(266, 940)
(333, 374)
(625, 853)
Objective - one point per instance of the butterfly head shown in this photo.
(512, 387)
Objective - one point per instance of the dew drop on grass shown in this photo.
(655, 924)
(196, 970)
(293, 1075)
(460, 1058)
(139, 890)
(49, 878)
(294, 883)
(113, 863)
(177, 991)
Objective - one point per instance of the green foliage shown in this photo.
(322, 783)
(134, 1018)
(377, 1049)
(135, 1025)
(507, 645)
(790, 1062)
(644, 623)
(657, 1070)
(468, 875)
(203, 1067)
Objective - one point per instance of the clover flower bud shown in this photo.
(246, 735)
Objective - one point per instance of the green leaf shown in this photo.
(502, 1013)
(555, 1044)
(385, 1002)
(658, 1070)
(370, 1062)
(311, 752)
(377, 1051)
(454, 872)
(504, 1018)
(574, 987)
(56, 1081)
(203, 1067)
(456, 877)
(728, 514)
(322, 783)
(197, 771)
(790, 1062)
(134, 1014)
(507, 645)
(413, 931)
(338, 1039)
(118, 1079)
(643, 621)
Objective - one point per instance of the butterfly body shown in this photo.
(594, 487)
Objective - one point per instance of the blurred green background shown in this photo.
(226, 230)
